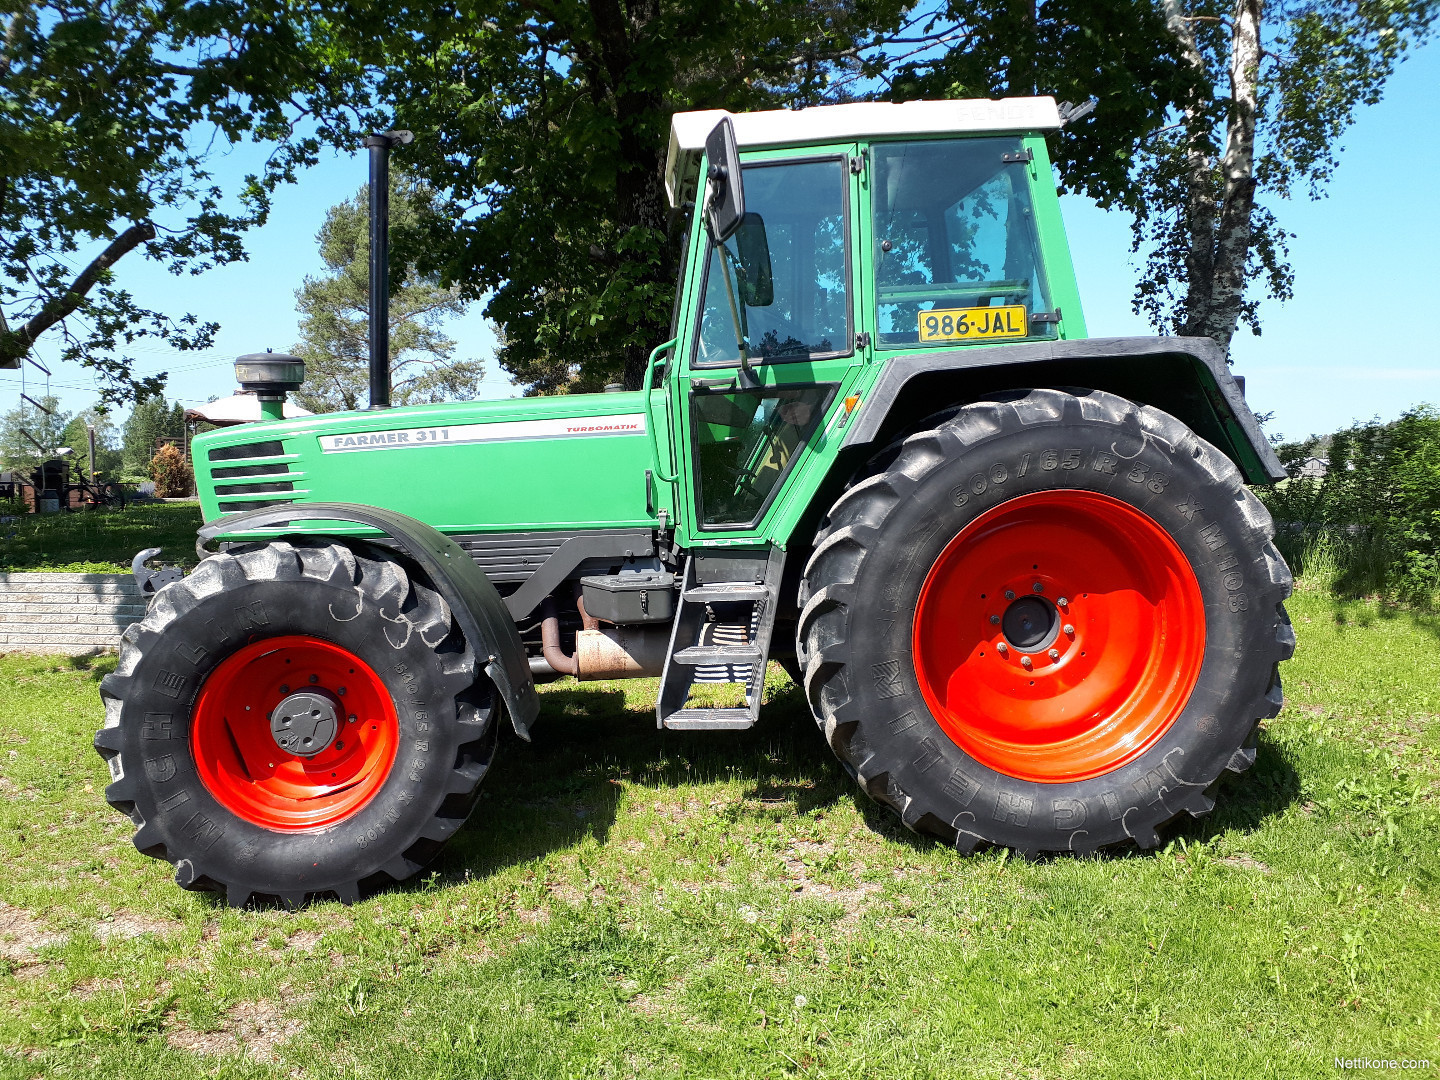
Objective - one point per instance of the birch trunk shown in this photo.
(1218, 214)
(1232, 241)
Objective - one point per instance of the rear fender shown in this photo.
(1186, 377)
(482, 615)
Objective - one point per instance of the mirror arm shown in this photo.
(748, 379)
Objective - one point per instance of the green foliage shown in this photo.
(1372, 523)
(109, 110)
(150, 419)
(335, 310)
(171, 473)
(24, 430)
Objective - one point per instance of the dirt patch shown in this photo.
(804, 855)
(1244, 862)
(88, 988)
(124, 925)
(303, 941)
(252, 1028)
(21, 934)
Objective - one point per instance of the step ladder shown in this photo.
(721, 634)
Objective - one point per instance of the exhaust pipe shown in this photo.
(379, 147)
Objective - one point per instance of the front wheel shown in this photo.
(1048, 623)
(296, 720)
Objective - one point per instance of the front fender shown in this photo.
(482, 615)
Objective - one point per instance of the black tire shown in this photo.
(359, 598)
(878, 543)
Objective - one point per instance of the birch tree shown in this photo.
(1272, 90)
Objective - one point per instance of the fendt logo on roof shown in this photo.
(503, 431)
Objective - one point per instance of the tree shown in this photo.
(30, 435)
(335, 311)
(111, 109)
(1272, 93)
(544, 127)
(150, 420)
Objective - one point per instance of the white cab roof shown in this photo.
(838, 123)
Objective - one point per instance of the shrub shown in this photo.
(1372, 523)
(171, 473)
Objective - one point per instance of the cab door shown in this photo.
(750, 431)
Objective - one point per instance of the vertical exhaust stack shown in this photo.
(379, 147)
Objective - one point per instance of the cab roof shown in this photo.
(837, 123)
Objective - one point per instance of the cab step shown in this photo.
(721, 594)
(709, 720)
(729, 655)
(721, 634)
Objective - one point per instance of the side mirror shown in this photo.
(757, 280)
(725, 205)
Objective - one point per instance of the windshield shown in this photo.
(955, 245)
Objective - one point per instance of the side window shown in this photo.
(955, 232)
(745, 441)
(802, 309)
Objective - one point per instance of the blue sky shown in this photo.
(1342, 350)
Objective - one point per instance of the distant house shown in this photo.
(1313, 468)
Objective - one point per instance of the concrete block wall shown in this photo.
(67, 613)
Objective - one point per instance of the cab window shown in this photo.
(803, 310)
(954, 233)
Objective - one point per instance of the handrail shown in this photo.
(650, 413)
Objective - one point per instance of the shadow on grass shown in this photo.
(564, 787)
(1363, 613)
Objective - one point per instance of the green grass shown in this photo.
(633, 903)
(99, 541)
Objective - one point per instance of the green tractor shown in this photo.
(1016, 570)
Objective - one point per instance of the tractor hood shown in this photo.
(523, 464)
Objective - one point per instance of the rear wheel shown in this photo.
(294, 720)
(1049, 623)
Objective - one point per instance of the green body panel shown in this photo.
(531, 473)
(536, 472)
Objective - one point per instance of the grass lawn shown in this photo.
(634, 903)
(99, 541)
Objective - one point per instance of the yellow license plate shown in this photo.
(973, 323)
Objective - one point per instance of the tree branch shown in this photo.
(18, 343)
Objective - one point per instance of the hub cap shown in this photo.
(293, 733)
(1058, 636)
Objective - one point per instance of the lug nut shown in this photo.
(314, 679)
(284, 688)
(994, 620)
(1009, 594)
(1002, 648)
(1062, 602)
(1038, 587)
(1025, 663)
(1069, 629)
(350, 719)
(340, 690)
(1054, 654)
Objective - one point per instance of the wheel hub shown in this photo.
(305, 723)
(1030, 623)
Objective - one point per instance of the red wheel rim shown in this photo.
(1111, 673)
(240, 761)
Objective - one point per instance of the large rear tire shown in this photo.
(1050, 622)
(296, 720)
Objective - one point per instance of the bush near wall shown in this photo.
(171, 473)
